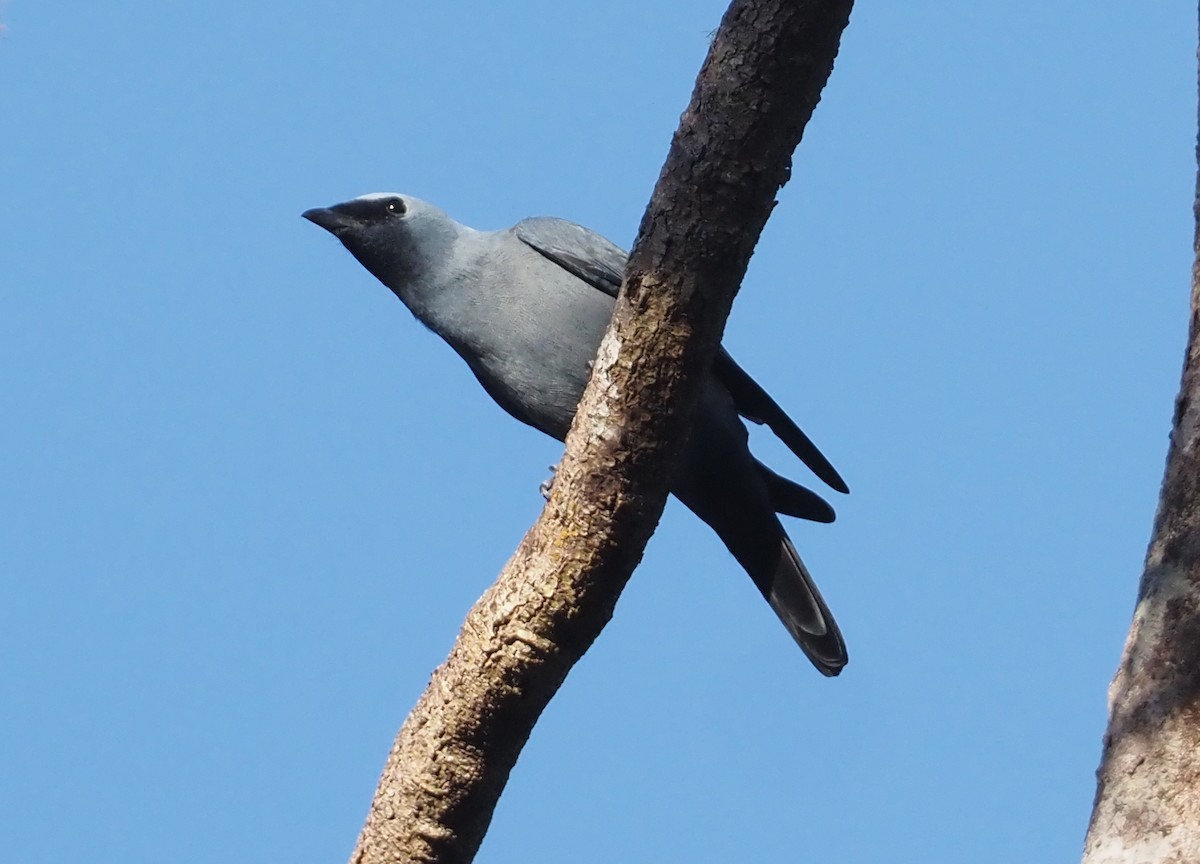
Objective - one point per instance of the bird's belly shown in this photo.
(540, 385)
(536, 356)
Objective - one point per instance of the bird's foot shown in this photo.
(548, 483)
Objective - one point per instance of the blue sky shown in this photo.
(246, 500)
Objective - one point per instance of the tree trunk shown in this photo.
(1147, 806)
(757, 88)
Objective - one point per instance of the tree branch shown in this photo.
(755, 93)
(1147, 806)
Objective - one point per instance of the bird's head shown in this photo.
(398, 238)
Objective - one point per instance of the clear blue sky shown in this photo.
(245, 500)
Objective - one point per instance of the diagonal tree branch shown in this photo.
(756, 91)
(1147, 806)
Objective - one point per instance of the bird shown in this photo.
(526, 308)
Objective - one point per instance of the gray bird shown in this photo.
(526, 307)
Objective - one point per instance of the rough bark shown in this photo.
(757, 88)
(1147, 806)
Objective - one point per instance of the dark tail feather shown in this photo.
(795, 598)
(792, 499)
(756, 405)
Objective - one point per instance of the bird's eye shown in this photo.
(396, 207)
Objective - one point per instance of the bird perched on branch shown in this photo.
(526, 308)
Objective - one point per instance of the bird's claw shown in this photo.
(548, 484)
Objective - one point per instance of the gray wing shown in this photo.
(601, 263)
(584, 253)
